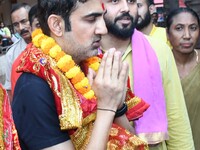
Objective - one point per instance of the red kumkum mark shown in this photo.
(102, 5)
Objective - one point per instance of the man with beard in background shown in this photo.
(154, 77)
(21, 24)
(146, 8)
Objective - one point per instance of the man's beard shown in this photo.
(145, 22)
(124, 32)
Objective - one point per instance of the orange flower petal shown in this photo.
(36, 32)
(68, 66)
(59, 55)
(72, 72)
(84, 90)
(78, 78)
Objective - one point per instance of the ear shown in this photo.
(152, 9)
(56, 25)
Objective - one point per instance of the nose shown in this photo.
(186, 34)
(101, 27)
(21, 26)
(125, 7)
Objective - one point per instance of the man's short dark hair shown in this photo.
(33, 13)
(63, 8)
(20, 5)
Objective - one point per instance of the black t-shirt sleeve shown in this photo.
(35, 115)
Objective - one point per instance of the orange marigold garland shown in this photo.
(65, 63)
(93, 62)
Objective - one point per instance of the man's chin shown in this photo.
(139, 27)
(94, 52)
(91, 54)
(27, 38)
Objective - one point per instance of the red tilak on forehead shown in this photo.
(102, 4)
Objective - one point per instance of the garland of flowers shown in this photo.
(65, 63)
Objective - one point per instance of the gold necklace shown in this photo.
(197, 56)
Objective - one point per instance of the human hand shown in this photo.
(110, 82)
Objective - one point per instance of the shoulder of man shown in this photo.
(162, 50)
(161, 30)
(17, 45)
(15, 49)
(158, 45)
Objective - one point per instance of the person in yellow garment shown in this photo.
(55, 106)
(183, 28)
(5, 34)
(154, 77)
(145, 24)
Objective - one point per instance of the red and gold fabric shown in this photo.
(9, 138)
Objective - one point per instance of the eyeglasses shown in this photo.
(22, 22)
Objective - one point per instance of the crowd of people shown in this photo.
(91, 74)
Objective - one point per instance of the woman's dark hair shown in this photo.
(177, 11)
(32, 13)
(62, 8)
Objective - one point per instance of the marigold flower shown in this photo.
(68, 66)
(78, 78)
(92, 60)
(36, 32)
(41, 40)
(36, 39)
(59, 55)
(47, 44)
(72, 72)
(53, 52)
(63, 61)
(89, 95)
(84, 89)
(82, 83)
(94, 66)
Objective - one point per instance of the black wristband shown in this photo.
(121, 111)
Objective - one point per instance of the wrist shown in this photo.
(106, 111)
